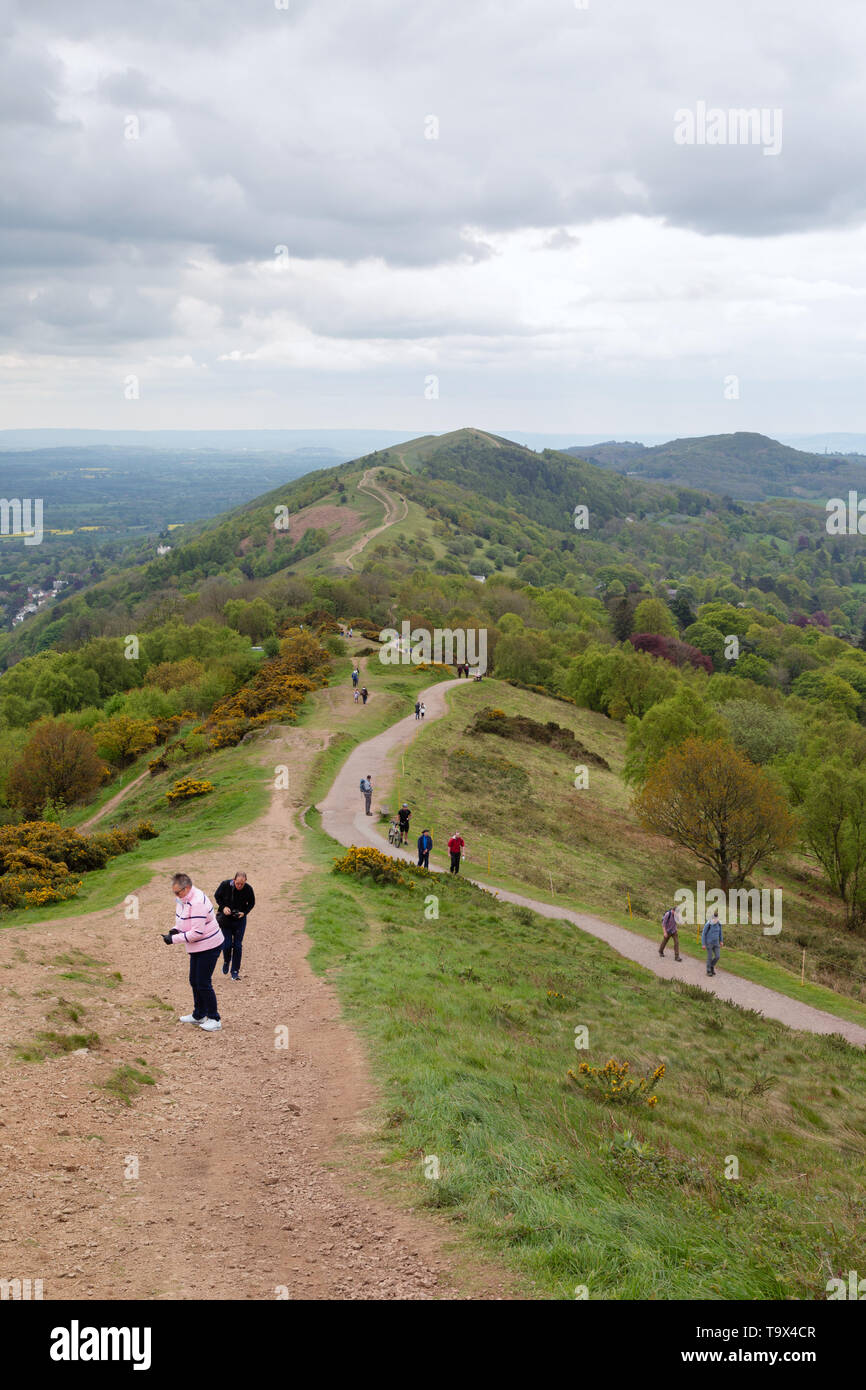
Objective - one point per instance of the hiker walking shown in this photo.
(235, 900)
(367, 789)
(425, 844)
(712, 941)
(403, 820)
(196, 925)
(423, 709)
(356, 674)
(456, 846)
(671, 923)
(364, 693)
(417, 709)
(356, 695)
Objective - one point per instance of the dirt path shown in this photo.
(112, 804)
(257, 1166)
(396, 509)
(343, 818)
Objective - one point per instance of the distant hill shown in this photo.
(748, 466)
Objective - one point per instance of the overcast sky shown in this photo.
(237, 211)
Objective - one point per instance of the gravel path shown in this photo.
(344, 819)
(248, 1171)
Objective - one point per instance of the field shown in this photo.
(470, 1023)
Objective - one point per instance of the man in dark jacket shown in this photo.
(234, 899)
(425, 844)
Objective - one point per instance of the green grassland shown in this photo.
(470, 1021)
(526, 826)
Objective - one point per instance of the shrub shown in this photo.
(188, 787)
(612, 1083)
(366, 861)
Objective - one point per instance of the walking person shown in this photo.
(356, 695)
(417, 709)
(367, 789)
(235, 900)
(456, 846)
(196, 925)
(356, 675)
(364, 693)
(712, 941)
(425, 844)
(403, 820)
(671, 923)
(423, 709)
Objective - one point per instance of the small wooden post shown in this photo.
(552, 889)
(628, 897)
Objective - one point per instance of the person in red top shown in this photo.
(456, 845)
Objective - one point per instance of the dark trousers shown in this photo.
(233, 931)
(201, 968)
(368, 797)
(455, 861)
(423, 859)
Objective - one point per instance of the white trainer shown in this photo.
(190, 1018)
(210, 1025)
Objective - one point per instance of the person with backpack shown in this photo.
(671, 929)
(456, 846)
(367, 789)
(403, 820)
(712, 940)
(425, 844)
(417, 709)
(235, 900)
(356, 675)
(364, 693)
(196, 925)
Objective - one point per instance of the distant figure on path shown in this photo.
(196, 925)
(403, 818)
(671, 927)
(425, 844)
(417, 709)
(367, 789)
(356, 695)
(456, 846)
(235, 900)
(423, 709)
(364, 693)
(712, 940)
(355, 676)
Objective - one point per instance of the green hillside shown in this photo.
(744, 465)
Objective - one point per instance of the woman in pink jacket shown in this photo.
(195, 924)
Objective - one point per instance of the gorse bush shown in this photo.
(612, 1083)
(188, 787)
(372, 862)
(40, 861)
